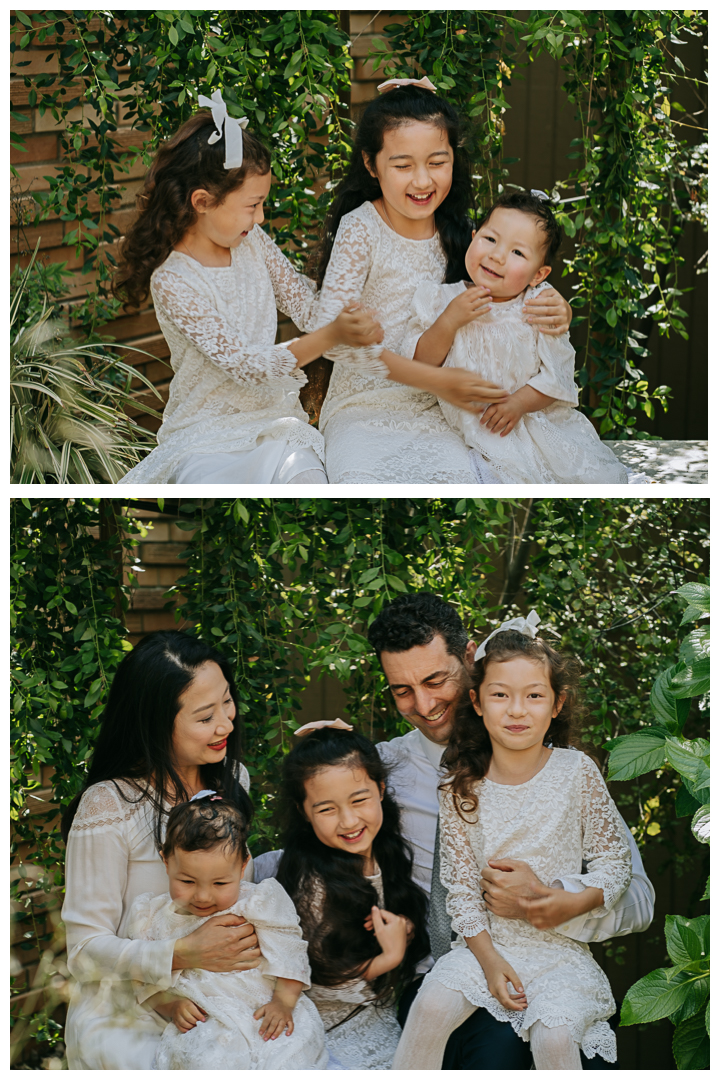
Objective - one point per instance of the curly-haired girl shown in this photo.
(515, 784)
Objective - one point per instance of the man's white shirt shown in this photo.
(414, 763)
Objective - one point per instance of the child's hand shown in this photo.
(498, 974)
(185, 1014)
(467, 391)
(468, 306)
(502, 417)
(277, 1016)
(356, 326)
(391, 932)
(549, 312)
(409, 926)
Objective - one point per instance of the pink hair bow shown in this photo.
(392, 83)
(318, 725)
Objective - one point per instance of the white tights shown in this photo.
(437, 1011)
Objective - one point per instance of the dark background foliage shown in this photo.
(286, 587)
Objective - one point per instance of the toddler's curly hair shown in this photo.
(204, 824)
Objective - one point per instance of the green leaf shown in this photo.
(697, 595)
(691, 1044)
(706, 893)
(696, 646)
(668, 709)
(395, 583)
(70, 606)
(691, 680)
(685, 803)
(240, 512)
(701, 824)
(687, 758)
(662, 993)
(687, 940)
(632, 755)
(173, 35)
(611, 317)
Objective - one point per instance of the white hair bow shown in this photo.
(318, 725)
(233, 129)
(390, 84)
(541, 195)
(202, 794)
(527, 626)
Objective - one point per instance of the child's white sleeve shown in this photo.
(459, 871)
(271, 911)
(200, 321)
(428, 304)
(344, 281)
(606, 852)
(295, 294)
(556, 377)
(139, 926)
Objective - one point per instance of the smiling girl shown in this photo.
(349, 872)
(401, 217)
(216, 280)
(515, 785)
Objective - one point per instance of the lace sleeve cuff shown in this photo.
(365, 359)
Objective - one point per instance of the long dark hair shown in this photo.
(403, 105)
(339, 947)
(135, 740)
(182, 165)
(469, 750)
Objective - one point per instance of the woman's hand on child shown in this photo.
(223, 943)
(185, 1014)
(357, 326)
(466, 390)
(471, 304)
(498, 974)
(549, 311)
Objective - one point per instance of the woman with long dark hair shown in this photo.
(400, 217)
(349, 873)
(167, 732)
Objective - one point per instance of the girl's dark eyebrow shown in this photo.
(433, 154)
(322, 802)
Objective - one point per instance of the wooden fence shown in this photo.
(539, 127)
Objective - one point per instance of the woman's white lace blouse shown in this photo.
(561, 817)
(232, 384)
(376, 430)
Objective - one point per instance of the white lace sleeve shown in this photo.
(556, 377)
(204, 326)
(96, 878)
(606, 852)
(459, 871)
(344, 282)
(294, 293)
(271, 911)
(428, 304)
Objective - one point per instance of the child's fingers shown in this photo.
(290, 1027)
(259, 1013)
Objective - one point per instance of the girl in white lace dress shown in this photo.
(537, 435)
(216, 279)
(516, 787)
(400, 218)
(349, 872)
(257, 1019)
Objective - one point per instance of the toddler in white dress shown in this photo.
(516, 789)
(536, 435)
(256, 1019)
